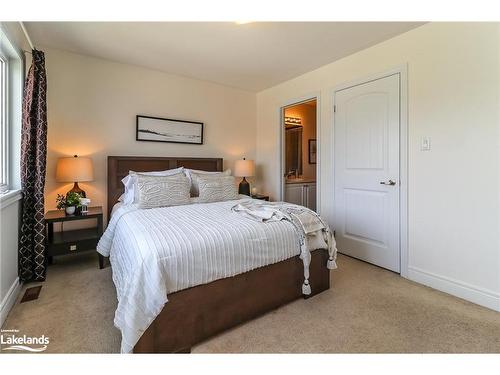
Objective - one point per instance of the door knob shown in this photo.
(390, 182)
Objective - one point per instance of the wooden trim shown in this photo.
(119, 166)
(12, 196)
(9, 300)
(316, 95)
(193, 315)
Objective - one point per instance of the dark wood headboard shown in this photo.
(119, 166)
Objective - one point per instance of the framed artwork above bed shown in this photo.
(158, 129)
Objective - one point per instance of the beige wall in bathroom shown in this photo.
(306, 112)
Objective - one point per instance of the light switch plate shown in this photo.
(426, 144)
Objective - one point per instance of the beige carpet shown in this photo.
(368, 309)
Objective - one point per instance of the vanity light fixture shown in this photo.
(293, 121)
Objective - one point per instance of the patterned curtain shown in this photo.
(32, 261)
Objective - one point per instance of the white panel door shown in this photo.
(367, 184)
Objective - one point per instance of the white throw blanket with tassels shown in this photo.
(307, 223)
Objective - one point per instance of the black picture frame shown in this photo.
(149, 135)
(312, 149)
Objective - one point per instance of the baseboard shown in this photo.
(9, 300)
(480, 296)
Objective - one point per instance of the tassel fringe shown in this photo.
(306, 288)
(331, 264)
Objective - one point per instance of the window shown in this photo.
(4, 137)
(11, 98)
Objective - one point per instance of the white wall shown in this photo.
(92, 104)
(453, 97)
(10, 203)
(9, 228)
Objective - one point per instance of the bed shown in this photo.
(196, 313)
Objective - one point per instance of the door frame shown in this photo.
(281, 142)
(402, 70)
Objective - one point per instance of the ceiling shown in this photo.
(251, 56)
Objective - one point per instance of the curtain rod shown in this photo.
(27, 35)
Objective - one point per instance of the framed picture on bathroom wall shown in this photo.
(157, 129)
(312, 151)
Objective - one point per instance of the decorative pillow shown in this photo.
(216, 188)
(129, 181)
(162, 191)
(192, 174)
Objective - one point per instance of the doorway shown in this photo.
(370, 171)
(299, 153)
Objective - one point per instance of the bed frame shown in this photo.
(195, 314)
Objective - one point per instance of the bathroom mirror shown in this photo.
(293, 152)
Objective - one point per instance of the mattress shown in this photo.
(154, 252)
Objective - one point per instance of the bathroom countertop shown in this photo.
(300, 180)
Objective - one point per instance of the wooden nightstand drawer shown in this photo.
(73, 241)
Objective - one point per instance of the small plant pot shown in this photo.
(70, 210)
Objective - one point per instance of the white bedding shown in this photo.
(158, 251)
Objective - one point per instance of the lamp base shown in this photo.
(76, 189)
(244, 187)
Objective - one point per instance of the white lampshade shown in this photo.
(244, 168)
(74, 169)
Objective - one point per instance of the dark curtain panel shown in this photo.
(32, 262)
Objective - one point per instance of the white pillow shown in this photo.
(193, 173)
(162, 191)
(129, 181)
(216, 188)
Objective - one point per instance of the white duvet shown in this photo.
(154, 252)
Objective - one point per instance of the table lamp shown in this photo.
(75, 169)
(244, 168)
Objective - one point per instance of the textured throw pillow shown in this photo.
(216, 188)
(193, 174)
(129, 182)
(162, 191)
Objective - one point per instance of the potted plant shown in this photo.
(70, 202)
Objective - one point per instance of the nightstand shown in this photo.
(260, 196)
(73, 241)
